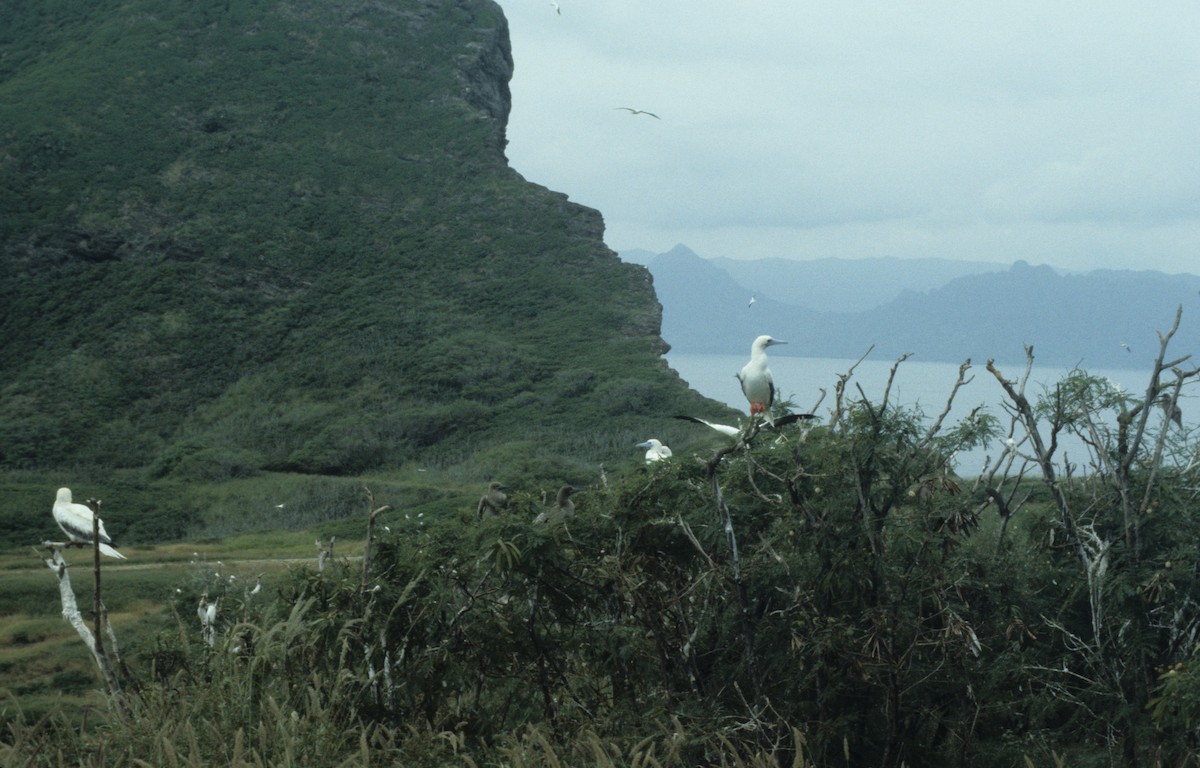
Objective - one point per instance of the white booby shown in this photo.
(208, 618)
(655, 450)
(562, 509)
(725, 429)
(755, 376)
(76, 521)
(491, 502)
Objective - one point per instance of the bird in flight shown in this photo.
(633, 111)
(554, 5)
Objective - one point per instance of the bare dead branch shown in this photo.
(840, 389)
(70, 612)
(374, 513)
(937, 424)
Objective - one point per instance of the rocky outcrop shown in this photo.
(485, 70)
(298, 246)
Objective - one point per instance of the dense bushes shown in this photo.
(827, 594)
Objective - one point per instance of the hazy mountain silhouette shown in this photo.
(1104, 318)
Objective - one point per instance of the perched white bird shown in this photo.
(655, 450)
(755, 376)
(76, 521)
(208, 618)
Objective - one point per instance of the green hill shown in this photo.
(267, 237)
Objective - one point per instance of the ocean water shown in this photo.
(921, 384)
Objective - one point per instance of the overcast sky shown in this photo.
(1063, 133)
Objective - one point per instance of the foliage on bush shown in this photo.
(819, 595)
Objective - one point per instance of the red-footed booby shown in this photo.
(76, 521)
(755, 376)
(655, 450)
(730, 431)
(562, 509)
(491, 502)
(724, 429)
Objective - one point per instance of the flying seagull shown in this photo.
(76, 522)
(554, 5)
(655, 450)
(757, 384)
(633, 111)
(752, 300)
(491, 502)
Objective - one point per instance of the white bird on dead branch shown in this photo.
(76, 520)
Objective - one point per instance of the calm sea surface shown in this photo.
(923, 384)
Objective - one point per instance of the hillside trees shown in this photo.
(286, 239)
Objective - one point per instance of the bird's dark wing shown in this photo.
(792, 418)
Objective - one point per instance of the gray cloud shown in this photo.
(1057, 133)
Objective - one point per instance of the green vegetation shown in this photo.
(285, 240)
(832, 595)
(257, 258)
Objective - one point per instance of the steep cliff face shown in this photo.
(285, 236)
(486, 69)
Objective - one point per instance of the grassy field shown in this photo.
(43, 662)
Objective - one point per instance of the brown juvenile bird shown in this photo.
(491, 502)
(563, 508)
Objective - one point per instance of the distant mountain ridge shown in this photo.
(847, 285)
(1104, 318)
